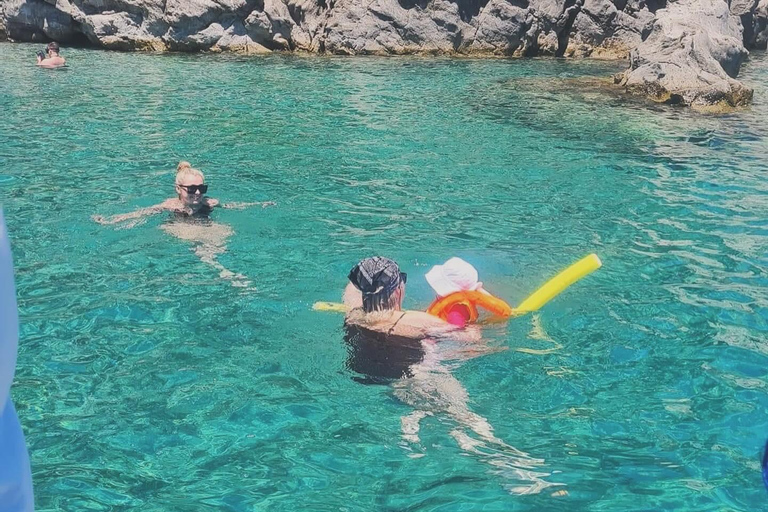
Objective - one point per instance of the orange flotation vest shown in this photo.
(471, 300)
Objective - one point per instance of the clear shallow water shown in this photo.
(147, 382)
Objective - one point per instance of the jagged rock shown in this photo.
(602, 30)
(501, 28)
(119, 31)
(37, 21)
(392, 27)
(233, 38)
(760, 27)
(691, 57)
(505, 27)
(686, 51)
(273, 27)
(754, 18)
(547, 43)
(745, 9)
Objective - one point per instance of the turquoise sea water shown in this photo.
(147, 382)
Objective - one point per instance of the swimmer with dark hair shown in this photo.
(50, 58)
(408, 350)
(374, 298)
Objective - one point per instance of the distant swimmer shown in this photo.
(50, 58)
(190, 218)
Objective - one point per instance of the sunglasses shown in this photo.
(192, 189)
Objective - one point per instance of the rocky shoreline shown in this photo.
(685, 51)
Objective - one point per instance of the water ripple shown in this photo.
(147, 382)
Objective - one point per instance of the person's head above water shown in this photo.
(53, 47)
(190, 185)
(381, 283)
(455, 275)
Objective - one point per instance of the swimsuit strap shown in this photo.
(389, 332)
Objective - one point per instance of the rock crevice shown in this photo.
(498, 27)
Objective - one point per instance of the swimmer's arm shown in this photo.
(352, 298)
(440, 329)
(243, 206)
(468, 334)
(141, 212)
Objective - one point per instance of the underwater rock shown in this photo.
(691, 57)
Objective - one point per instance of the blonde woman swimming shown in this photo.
(190, 220)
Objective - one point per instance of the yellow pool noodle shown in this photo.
(536, 300)
(335, 307)
(560, 282)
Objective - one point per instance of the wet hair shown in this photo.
(378, 279)
(185, 169)
(53, 46)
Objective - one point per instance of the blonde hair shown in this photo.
(185, 169)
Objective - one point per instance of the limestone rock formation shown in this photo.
(754, 18)
(684, 51)
(691, 57)
(480, 27)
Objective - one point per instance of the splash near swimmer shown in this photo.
(15, 476)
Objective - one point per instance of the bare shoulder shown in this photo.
(170, 204)
(52, 63)
(354, 316)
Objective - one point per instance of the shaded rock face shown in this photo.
(691, 56)
(608, 28)
(754, 18)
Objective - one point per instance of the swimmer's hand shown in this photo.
(141, 212)
(211, 202)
